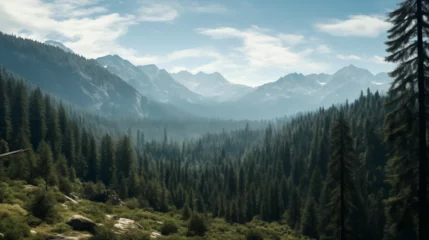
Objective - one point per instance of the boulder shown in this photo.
(81, 223)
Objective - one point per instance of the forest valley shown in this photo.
(352, 171)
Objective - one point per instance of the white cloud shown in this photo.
(153, 12)
(169, 10)
(348, 57)
(357, 25)
(291, 39)
(210, 8)
(262, 52)
(378, 59)
(260, 49)
(324, 49)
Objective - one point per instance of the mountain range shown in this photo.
(77, 80)
(212, 85)
(112, 85)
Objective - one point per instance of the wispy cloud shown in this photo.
(169, 10)
(152, 12)
(378, 59)
(357, 25)
(323, 49)
(348, 57)
(262, 51)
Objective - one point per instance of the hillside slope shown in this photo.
(77, 80)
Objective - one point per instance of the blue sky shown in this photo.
(249, 41)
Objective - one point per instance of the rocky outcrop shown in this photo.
(125, 224)
(81, 223)
(155, 234)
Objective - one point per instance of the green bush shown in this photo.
(254, 235)
(169, 227)
(132, 203)
(13, 227)
(62, 228)
(65, 185)
(4, 192)
(197, 226)
(43, 206)
(104, 234)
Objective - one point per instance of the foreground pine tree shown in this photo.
(340, 177)
(406, 122)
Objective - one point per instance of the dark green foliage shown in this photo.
(186, 212)
(43, 206)
(406, 130)
(341, 177)
(168, 228)
(197, 225)
(254, 235)
(5, 121)
(45, 165)
(37, 118)
(309, 222)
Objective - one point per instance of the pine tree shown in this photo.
(45, 165)
(125, 156)
(108, 164)
(19, 115)
(93, 162)
(407, 166)
(293, 208)
(5, 121)
(37, 118)
(4, 148)
(53, 133)
(341, 176)
(309, 222)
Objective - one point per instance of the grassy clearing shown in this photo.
(16, 219)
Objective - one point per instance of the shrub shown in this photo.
(65, 185)
(169, 227)
(62, 228)
(4, 192)
(104, 234)
(43, 206)
(196, 226)
(254, 235)
(89, 190)
(132, 203)
(12, 225)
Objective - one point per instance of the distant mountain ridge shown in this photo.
(78, 80)
(115, 86)
(150, 81)
(59, 45)
(211, 85)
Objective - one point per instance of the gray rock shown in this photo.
(81, 223)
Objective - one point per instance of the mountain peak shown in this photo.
(150, 66)
(353, 70)
(58, 45)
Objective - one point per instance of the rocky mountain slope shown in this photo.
(78, 80)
